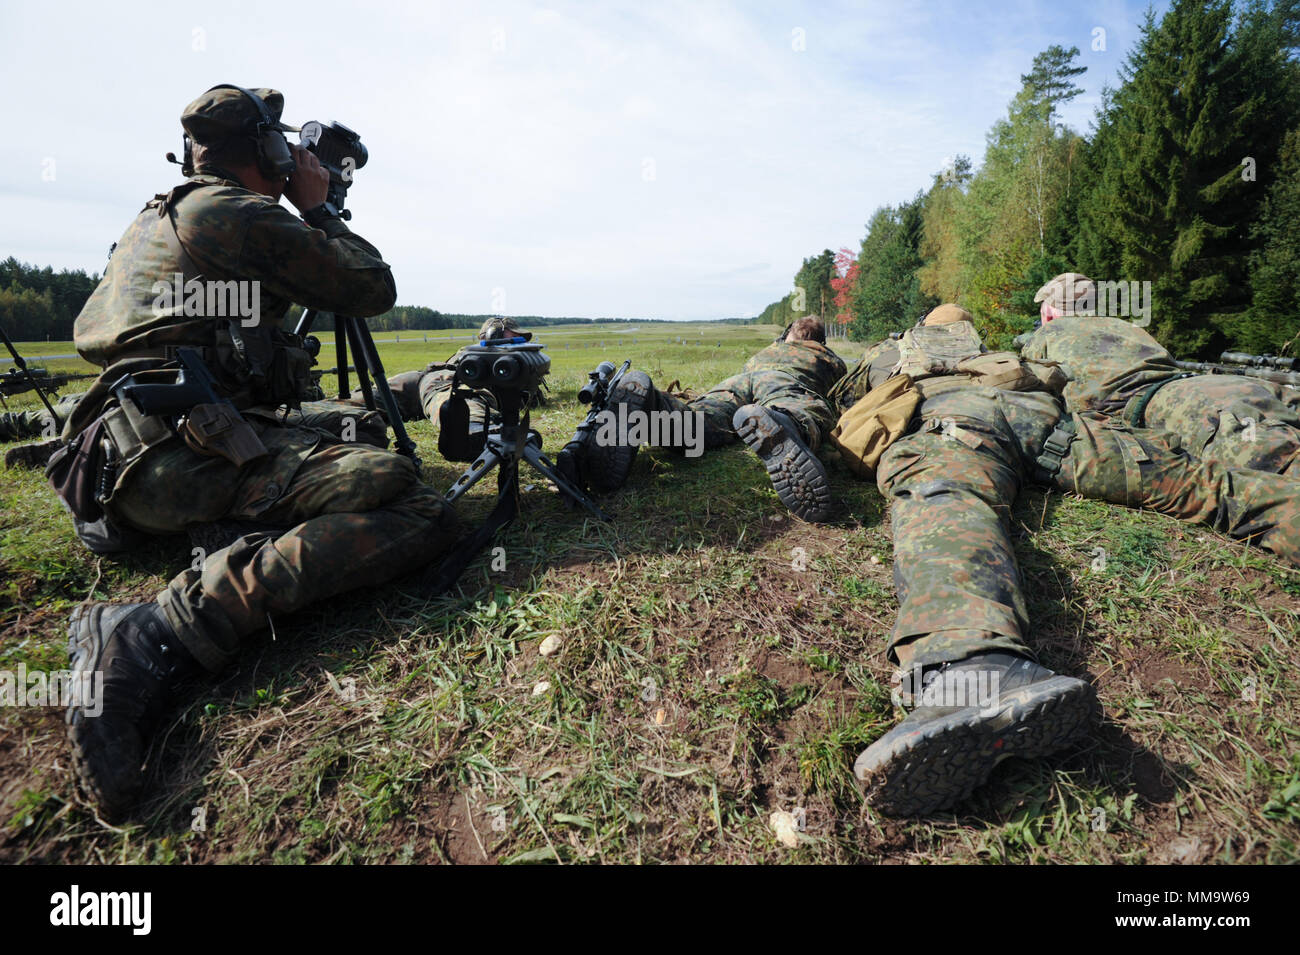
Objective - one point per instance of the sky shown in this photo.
(645, 160)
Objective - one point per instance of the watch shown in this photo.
(317, 216)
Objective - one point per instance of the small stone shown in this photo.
(875, 559)
(786, 827)
(550, 645)
(541, 688)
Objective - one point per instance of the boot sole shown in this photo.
(608, 466)
(796, 473)
(935, 766)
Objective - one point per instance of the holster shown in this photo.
(218, 430)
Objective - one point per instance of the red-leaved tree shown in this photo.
(846, 276)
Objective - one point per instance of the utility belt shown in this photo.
(281, 375)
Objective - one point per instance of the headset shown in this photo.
(274, 159)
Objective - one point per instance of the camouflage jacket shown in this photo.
(873, 368)
(1108, 360)
(812, 364)
(231, 234)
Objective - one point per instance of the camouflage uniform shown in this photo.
(16, 425)
(793, 377)
(954, 477)
(1118, 369)
(358, 515)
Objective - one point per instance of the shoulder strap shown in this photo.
(172, 237)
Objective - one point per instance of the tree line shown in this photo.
(1188, 180)
(39, 304)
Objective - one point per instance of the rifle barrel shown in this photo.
(22, 366)
(1287, 379)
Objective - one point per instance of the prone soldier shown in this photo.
(983, 425)
(1119, 370)
(777, 405)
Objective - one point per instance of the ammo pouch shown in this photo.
(263, 365)
(880, 418)
(217, 430)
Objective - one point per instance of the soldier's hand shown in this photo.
(310, 182)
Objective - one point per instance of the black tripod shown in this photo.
(504, 447)
(355, 333)
(508, 444)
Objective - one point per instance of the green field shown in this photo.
(719, 660)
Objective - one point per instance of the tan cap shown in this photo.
(1069, 293)
(947, 314)
(224, 111)
(502, 327)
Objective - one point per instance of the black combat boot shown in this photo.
(797, 474)
(606, 464)
(138, 657)
(968, 717)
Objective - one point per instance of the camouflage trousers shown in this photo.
(953, 479)
(951, 482)
(345, 420)
(1139, 467)
(406, 392)
(17, 425)
(1239, 422)
(813, 413)
(356, 516)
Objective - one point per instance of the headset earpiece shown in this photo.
(274, 159)
(273, 155)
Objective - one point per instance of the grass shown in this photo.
(718, 660)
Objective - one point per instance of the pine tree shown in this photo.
(1171, 191)
(1050, 81)
(1275, 266)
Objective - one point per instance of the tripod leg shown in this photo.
(363, 376)
(542, 463)
(365, 353)
(341, 358)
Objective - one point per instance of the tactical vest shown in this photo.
(260, 364)
(941, 358)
